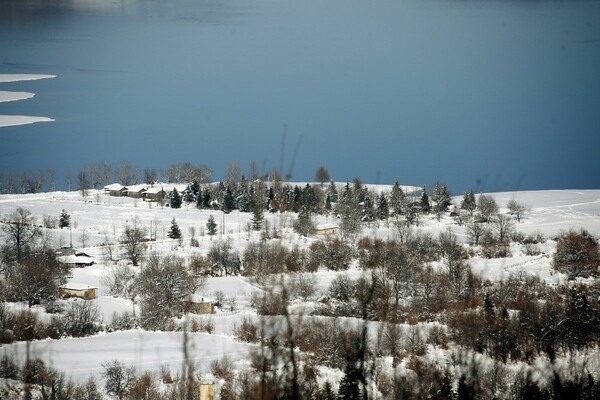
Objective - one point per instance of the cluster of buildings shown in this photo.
(151, 193)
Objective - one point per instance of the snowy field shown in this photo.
(98, 218)
(81, 358)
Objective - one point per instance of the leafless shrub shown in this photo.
(246, 331)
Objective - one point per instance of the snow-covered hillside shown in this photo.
(99, 218)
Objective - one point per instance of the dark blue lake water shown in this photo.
(498, 95)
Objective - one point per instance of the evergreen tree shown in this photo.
(465, 390)
(228, 201)
(257, 214)
(199, 198)
(347, 193)
(195, 188)
(425, 207)
(296, 203)
(441, 197)
(332, 192)
(326, 392)
(328, 203)
(397, 199)
(174, 231)
(64, 220)
(243, 195)
(309, 198)
(468, 201)
(303, 224)
(382, 207)
(175, 199)
(368, 210)
(349, 385)
(271, 200)
(206, 198)
(211, 226)
(244, 199)
(188, 195)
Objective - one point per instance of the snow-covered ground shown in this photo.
(82, 357)
(98, 218)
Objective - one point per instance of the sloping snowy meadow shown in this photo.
(98, 218)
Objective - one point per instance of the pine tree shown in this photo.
(199, 198)
(174, 231)
(441, 197)
(309, 198)
(304, 225)
(195, 188)
(228, 201)
(382, 207)
(211, 226)
(425, 207)
(206, 197)
(332, 192)
(326, 392)
(349, 385)
(468, 201)
(175, 199)
(368, 211)
(188, 195)
(257, 215)
(65, 220)
(397, 199)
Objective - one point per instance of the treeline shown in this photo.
(98, 175)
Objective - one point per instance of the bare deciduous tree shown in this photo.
(517, 209)
(21, 231)
(164, 284)
(133, 241)
(322, 175)
(487, 207)
(475, 231)
(503, 226)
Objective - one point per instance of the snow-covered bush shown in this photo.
(121, 321)
(577, 255)
(82, 318)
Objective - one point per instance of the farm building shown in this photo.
(116, 189)
(326, 229)
(77, 260)
(200, 305)
(136, 192)
(155, 193)
(85, 292)
(207, 389)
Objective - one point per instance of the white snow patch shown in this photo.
(23, 77)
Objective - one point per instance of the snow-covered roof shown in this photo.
(154, 190)
(324, 227)
(72, 259)
(114, 186)
(196, 298)
(77, 286)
